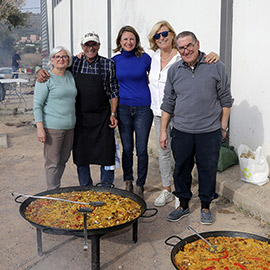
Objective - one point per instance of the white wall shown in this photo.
(250, 79)
(62, 25)
(182, 15)
(90, 15)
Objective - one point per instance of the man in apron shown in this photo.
(96, 106)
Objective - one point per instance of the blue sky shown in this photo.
(31, 6)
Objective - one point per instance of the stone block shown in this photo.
(3, 140)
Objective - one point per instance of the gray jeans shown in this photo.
(165, 156)
(57, 150)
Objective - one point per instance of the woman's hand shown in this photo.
(163, 140)
(41, 135)
(211, 58)
(79, 55)
(42, 76)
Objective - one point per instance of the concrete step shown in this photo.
(251, 198)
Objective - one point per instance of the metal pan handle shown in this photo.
(150, 209)
(107, 184)
(171, 237)
(16, 199)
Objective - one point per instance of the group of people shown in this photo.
(186, 92)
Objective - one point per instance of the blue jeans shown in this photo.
(138, 120)
(205, 147)
(15, 76)
(106, 176)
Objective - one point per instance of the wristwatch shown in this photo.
(225, 129)
(114, 114)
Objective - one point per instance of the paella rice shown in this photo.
(64, 215)
(239, 253)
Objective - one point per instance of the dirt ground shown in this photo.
(21, 170)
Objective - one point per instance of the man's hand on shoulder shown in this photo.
(42, 75)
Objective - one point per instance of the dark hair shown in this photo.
(187, 34)
(138, 48)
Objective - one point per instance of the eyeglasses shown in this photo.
(188, 47)
(94, 45)
(58, 57)
(164, 34)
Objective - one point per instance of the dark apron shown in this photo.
(93, 139)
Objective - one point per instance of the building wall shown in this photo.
(62, 24)
(249, 79)
(182, 15)
(90, 15)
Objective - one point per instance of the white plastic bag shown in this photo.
(254, 171)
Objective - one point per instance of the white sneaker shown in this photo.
(177, 202)
(164, 197)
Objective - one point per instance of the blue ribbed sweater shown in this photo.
(131, 73)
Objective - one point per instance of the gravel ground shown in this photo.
(21, 166)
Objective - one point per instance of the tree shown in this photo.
(11, 15)
(29, 49)
(7, 42)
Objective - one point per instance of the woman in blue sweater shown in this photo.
(54, 111)
(134, 113)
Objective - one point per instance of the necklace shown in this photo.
(165, 60)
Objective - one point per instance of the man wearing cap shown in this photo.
(96, 106)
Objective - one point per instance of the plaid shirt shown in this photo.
(107, 72)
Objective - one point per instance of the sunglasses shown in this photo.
(164, 34)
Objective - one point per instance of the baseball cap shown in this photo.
(91, 36)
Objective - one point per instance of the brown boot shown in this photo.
(129, 186)
(139, 191)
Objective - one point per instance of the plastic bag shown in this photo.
(253, 165)
(227, 157)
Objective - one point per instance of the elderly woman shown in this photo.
(162, 42)
(54, 111)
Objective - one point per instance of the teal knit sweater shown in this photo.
(54, 102)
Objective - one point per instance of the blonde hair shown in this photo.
(156, 27)
(138, 48)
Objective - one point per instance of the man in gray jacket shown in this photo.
(198, 97)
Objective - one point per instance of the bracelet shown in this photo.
(114, 114)
(225, 129)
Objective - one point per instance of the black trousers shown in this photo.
(205, 147)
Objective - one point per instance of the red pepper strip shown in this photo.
(212, 259)
(257, 259)
(226, 268)
(241, 266)
(226, 254)
(262, 267)
(209, 268)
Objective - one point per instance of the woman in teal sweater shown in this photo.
(54, 112)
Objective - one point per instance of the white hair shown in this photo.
(57, 50)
